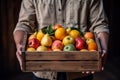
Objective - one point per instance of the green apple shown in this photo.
(69, 47)
(68, 40)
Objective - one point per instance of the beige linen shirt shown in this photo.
(87, 15)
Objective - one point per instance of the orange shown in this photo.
(74, 33)
(60, 33)
(88, 35)
(92, 46)
(40, 35)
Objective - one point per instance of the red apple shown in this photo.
(80, 43)
(57, 44)
(33, 43)
(56, 26)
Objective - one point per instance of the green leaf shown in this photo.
(44, 30)
(50, 30)
(74, 28)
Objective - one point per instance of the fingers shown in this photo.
(88, 72)
(19, 56)
(102, 68)
(103, 53)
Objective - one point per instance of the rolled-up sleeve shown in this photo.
(26, 21)
(98, 18)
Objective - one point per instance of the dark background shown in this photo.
(9, 11)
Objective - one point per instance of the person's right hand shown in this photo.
(19, 55)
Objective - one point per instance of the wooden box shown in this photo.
(62, 61)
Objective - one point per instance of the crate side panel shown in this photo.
(68, 66)
(62, 55)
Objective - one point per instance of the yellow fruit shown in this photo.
(89, 40)
(68, 30)
(84, 50)
(57, 50)
(74, 33)
(46, 40)
(40, 35)
(68, 40)
(32, 35)
(42, 48)
(93, 50)
(60, 33)
(31, 49)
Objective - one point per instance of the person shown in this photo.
(88, 15)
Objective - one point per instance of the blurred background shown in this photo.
(9, 67)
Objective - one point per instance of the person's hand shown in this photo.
(19, 55)
(104, 58)
(103, 40)
(88, 72)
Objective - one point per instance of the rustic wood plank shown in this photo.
(67, 66)
(62, 55)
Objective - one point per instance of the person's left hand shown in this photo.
(88, 72)
(104, 58)
(103, 38)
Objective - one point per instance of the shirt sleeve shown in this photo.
(98, 18)
(26, 21)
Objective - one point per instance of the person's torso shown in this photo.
(69, 13)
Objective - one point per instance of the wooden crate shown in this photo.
(62, 61)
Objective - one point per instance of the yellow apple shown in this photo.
(68, 40)
(89, 40)
(84, 50)
(31, 49)
(42, 48)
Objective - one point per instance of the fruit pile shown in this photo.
(57, 38)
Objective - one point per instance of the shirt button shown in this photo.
(63, 20)
(59, 9)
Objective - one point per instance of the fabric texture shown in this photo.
(88, 15)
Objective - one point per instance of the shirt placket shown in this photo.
(59, 13)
